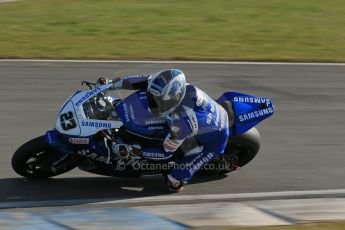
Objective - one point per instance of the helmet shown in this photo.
(165, 91)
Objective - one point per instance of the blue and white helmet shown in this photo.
(165, 91)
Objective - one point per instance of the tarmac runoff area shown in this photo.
(271, 212)
(302, 151)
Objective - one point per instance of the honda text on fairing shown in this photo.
(130, 137)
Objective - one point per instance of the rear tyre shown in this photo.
(34, 159)
(240, 150)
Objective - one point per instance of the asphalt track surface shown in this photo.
(302, 144)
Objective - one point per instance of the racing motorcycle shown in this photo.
(105, 135)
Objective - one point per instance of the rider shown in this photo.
(198, 124)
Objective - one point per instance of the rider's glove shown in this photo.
(102, 81)
(116, 84)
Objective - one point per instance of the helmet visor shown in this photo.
(161, 107)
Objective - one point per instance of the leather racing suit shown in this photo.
(199, 125)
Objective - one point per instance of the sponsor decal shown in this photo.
(202, 99)
(213, 108)
(209, 118)
(155, 155)
(131, 112)
(199, 101)
(217, 118)
(93, 156)
(96, 124)
(197, 166)
(125, 110)
(252, 100)
(155, 127)
(87, 95)
(204, 105)
(133, 76)
(79, 141)
(191, 120)
(154, 122)
(254, 115)
(224, 117)
(192, 125)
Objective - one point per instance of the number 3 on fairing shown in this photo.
(67, 121)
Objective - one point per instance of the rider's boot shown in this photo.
(174, 185)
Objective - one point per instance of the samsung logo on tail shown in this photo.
(252, 100)
(256, 114)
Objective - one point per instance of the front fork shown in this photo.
(94, 154)
(64, 154)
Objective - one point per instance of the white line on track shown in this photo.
(228, 196)
(176, 198)
(178, 62)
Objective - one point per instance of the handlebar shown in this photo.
(100, 81)
(88, 84)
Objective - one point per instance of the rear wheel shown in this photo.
(240, 150)
(34, 159)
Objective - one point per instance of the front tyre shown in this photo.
(34, 159)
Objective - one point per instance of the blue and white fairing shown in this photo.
(73, 121)
(248, 110)
(137, 119)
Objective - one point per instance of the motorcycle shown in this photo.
(105, 135)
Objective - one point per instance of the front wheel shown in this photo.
(34, 159)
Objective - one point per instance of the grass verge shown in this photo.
(279, 30)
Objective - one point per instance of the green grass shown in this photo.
(316, 226)
(282, 30)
